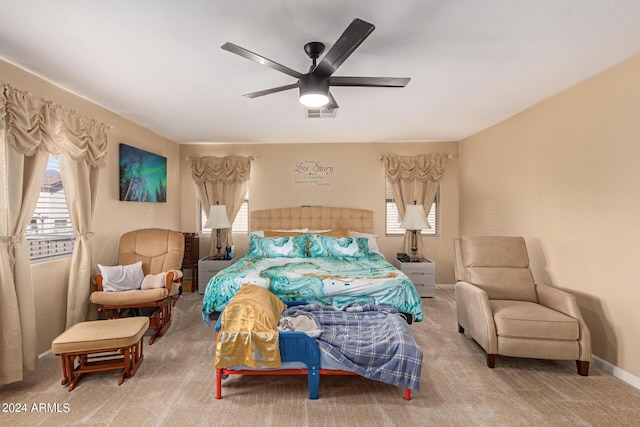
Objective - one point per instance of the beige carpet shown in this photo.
(175, 386)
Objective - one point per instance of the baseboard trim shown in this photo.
(621, 374)
(45, 354)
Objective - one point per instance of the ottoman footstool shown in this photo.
(101, 345)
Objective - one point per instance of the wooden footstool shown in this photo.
(101, 345)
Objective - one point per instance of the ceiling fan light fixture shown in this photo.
(314, 91)
(314, 100)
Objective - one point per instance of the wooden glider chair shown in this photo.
(505, 312)
(147, 278)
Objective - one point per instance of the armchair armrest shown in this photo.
(173, 276)
(558, 300)
(475, 315)
(98, 280)
(564, 302)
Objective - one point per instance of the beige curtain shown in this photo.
(80, 162)
(30, 130)
(223, 180)
(414, 179)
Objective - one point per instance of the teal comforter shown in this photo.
(323, 281)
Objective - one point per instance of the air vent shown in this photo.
(321, 113)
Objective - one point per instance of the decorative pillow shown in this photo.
(121, 277)
(154, 281)
(278, 247)
(372, 241)
(340, 232)
(337, 247)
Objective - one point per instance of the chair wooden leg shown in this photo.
(583, 367)
(491, 360)
(126, 353)
(156, 328)
(66, 372)
(460, 329)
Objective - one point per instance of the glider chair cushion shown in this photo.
(160, 253)
(500, 306)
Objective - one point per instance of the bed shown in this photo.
(296, 253)
(368, 340)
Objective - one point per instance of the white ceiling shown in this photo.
(472, 63)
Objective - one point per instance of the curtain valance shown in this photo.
(34, 124)
(228, 169)
(423, 167)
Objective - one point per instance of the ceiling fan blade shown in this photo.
(260, 59)
(352, 37)
(369, 81)
(270, 91)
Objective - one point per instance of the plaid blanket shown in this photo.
(372, 340)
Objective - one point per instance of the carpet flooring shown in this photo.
(175, 385)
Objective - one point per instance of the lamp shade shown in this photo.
(217, 218)
(414, 218)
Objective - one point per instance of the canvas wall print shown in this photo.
(143, 175)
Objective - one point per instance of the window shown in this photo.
(393, 218)
(50, 234)
(240, 224)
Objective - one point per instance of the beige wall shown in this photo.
(564, 174)
(357, 181)
(112, 217)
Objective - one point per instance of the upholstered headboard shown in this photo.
(313, 218)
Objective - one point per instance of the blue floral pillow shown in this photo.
(278, 247)
(337, 247)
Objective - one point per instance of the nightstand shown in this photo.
(191, 256)
(209, 267)
(422, 274)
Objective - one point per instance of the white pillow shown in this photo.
(121, 277)
(154, 281)
(372, 239)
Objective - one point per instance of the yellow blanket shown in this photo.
(248, 332)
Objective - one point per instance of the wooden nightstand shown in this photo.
(191, 256)
(208, 267)
(422, 274)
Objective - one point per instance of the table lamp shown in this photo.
(217, 220)
(414, 220)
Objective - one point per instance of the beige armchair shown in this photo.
(160, 251)
(505, 312)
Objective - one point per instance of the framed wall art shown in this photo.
(143, 175)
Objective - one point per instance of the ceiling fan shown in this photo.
(314, 85)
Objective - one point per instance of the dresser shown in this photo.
(191, 257)
(208, 268)
(422, 274)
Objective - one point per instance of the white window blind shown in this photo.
(240, 224)
(393, 218)
(50, 234)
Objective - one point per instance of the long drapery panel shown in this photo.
(31, 129)
(221, 180)
(414, 179)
